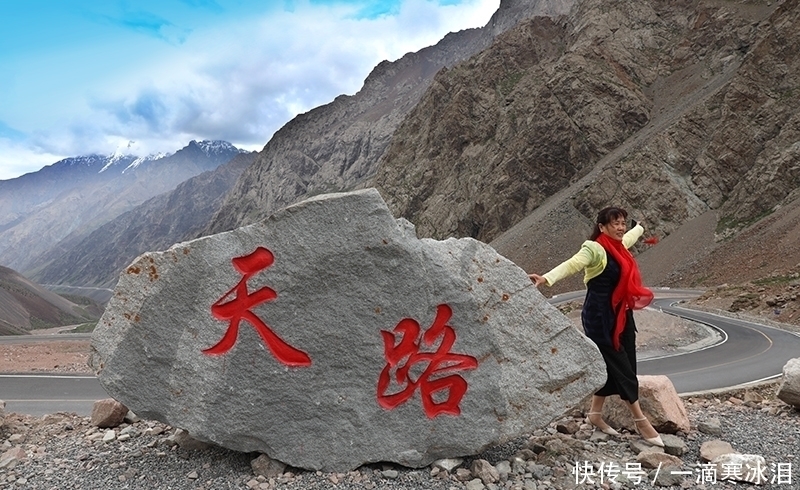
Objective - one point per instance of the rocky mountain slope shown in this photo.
(679, 111)
(25, 306)
(70, 198)
(336, 147)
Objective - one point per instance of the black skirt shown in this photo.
(598, 320)
(621, 365)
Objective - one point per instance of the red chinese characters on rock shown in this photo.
(436, 365)
(239, 308)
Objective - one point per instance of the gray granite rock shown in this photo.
(346, 298)
(789, 390)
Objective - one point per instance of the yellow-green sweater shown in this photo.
(591, 258)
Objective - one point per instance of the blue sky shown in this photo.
(96, 76)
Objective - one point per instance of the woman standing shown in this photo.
(614, 290)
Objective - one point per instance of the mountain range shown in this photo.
(685, 113)
(42, 214)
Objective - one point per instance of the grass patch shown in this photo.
(508, 83)
(774, 280)
(729, 224)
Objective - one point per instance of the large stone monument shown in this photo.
(329, 336)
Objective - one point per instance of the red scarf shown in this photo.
(629, 294)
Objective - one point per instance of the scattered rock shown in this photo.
(186, 441)
(570, 426)
(712, 449)
(660, 403)
(11, 457)
(655, 459)
(109, 435)
(485, 471)
(448, 464)
(673, 444)
(710, 426)
(108, 413)
(267, 467)
(789, 390)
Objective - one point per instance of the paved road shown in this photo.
(746, 353)
(38, 395)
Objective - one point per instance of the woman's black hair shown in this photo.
(606, 216)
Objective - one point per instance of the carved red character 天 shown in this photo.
(433, 366)
(238, 309)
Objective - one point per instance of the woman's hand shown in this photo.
(537, 279)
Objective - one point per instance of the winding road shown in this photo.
(744, 353)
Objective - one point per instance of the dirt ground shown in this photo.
(62, 356)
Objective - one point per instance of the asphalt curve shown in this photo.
(747, 353)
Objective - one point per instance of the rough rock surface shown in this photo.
(660, 403)
(108, 413)
(619, 101)
(352, 287)
(789, 390)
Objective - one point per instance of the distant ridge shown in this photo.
(26, 306)
(74, 196)
(97, 258)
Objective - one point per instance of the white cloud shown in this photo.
(239, 81)
(17, 159)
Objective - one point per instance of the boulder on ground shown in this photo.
(660, 403)
(108, 413)
(329, 336)
(710, 450)
(789, 390)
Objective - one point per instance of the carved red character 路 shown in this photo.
(435, 366)
(239, 308)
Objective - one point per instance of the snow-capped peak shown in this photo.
(116, 157)
(216, 147)
(148, 158)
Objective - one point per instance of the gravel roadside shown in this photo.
(64, 451)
